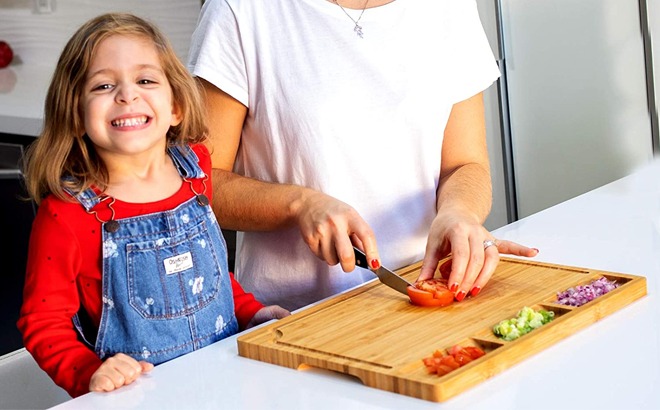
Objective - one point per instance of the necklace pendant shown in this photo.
(358, 30)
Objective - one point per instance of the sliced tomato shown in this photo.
(422, 297)
(430, 292)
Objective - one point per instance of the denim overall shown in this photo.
(166, 286)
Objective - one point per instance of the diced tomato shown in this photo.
(462, 358)
(442, 369)
(454, 349)
(450, 361)
(430, 292)
(441, 364)
(474, 352)
(431, 363)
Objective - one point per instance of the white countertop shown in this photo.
(612, 364)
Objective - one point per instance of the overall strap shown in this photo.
(87, 198)
(186, 161)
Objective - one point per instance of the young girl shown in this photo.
(127, 266)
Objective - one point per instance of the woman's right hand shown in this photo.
(117, 371)
(331, 227)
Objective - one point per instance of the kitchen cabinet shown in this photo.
(16, 216)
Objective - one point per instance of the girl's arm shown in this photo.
(117, 371)
(50, 299)
(245, 305)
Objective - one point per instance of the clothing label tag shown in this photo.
(178, 263)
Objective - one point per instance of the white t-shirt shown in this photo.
(361, 119)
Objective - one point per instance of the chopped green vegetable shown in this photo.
(525, 321)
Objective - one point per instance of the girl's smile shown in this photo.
(130, 122)
(127, 100)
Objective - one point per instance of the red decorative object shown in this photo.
(6, 54)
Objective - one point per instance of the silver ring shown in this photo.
(489, 242)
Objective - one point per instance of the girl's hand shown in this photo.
(117, 371)
(267, 313)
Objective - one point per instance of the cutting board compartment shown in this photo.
(375, 334)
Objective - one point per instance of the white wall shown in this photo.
(38, 39)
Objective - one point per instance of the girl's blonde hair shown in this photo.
(63, 150)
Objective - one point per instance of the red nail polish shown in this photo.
(475, 291)
(453, 287)
(461, 295)
(375, 264)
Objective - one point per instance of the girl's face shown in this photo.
(127, 100)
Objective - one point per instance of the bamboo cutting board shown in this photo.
(374, 333)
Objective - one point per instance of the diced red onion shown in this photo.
(580, 295)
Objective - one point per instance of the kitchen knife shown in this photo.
(385, 275)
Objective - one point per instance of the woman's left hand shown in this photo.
(475, 253)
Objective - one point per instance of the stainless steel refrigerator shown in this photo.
(575, 107)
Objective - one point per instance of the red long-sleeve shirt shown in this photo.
(64, 270)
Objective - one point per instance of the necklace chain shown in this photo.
(358, 28)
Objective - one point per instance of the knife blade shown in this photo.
(385, 275)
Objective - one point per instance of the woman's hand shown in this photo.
(331, 227)
(473, 257)
(117, 371)
(267, 313)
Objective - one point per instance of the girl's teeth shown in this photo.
(129, 122)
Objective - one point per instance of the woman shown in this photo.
(352, 120)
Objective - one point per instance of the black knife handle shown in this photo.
(360, 258)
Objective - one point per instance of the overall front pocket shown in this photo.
(174, 276)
